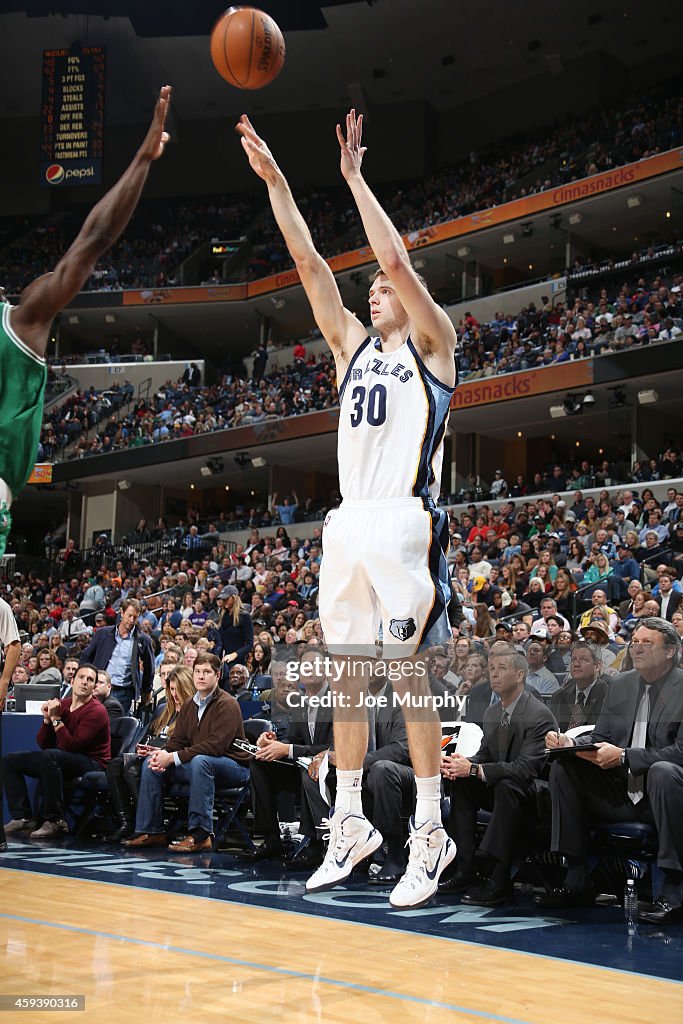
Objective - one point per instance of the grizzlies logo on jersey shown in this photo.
(402, 629)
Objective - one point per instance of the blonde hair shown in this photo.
(182, 677)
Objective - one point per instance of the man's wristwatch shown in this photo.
(56, 721)
(622, 759)
(474, 771)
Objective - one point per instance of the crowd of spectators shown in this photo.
(550, 592)
(162, 234)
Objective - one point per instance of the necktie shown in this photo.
(577, 715)
(311, 713)
(636, 783)
(372, 727)
(503, 736)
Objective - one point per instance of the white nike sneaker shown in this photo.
(352, 838)
(431, 851)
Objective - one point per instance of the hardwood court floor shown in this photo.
(140, 955)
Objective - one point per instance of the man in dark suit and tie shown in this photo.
(500, 778)
(483, 696)
(388, 785)
(274, 769)
(579, 701)
(630, 777)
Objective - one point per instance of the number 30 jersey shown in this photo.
(391, 425)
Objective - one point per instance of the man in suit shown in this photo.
(103, 694)
(388, 784)
(126, 653)
(640, 741)
(274, 769)
(579, 701)
(669, 600)
(483, 696)
(500, 778)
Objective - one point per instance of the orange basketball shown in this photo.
(247, 48)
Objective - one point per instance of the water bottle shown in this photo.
(630, 902)
(256, 693)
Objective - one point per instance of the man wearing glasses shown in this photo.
(636, 774)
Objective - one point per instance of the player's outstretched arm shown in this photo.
(340, 328)
(45, 296)
(430, 321)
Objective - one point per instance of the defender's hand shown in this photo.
(261, 160)
(352, 152)
(153, 146)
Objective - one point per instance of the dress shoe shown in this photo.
(21, 825)
(487, 894)
(262, 852)
(51, 830)
(660, 912)
(388, 875)
(561, 897)
(190, 844)
(147, 839)
(456, 881)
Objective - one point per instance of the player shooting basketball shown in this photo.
(24, 329)
(385, 548)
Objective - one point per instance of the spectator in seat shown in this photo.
(199, 753)
(632, 776)
(539, 676)
(547, 607)
(73, 739)
(47, 669)
(501, 778)
(580, 700)
(310, 732)
(103, 694)
(669, 600)
(123, 773)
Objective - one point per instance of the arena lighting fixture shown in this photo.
(463, 251)
(74, 320)
(242, 459)
(420, 264)
(278, 303)
(124, 485)
(259, 462)
(634, 201)
(575, 218)
(508, 239)
(109, 318)
(557, 412)
(211, 467)
(589, 398)
(648, 397)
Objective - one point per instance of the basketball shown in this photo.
(247, 48)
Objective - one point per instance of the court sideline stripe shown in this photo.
(363, 924)
(267, 968)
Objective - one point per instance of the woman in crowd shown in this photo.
(509, 583)
(542, 573)
(677, 622)
(47, 669)
(258, 661)
(199, 614)
(235, 630)
(171, 615)
(535, 593)
(563, 593)
(298, 624)
(187, 606)
(546, 559)
(577, 557)
(463, 648)
(558, 660)
(484, 626)
(599, 568)
(123, 773)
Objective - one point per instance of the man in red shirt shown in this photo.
(74, 739)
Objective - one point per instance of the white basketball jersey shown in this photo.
(392, 420)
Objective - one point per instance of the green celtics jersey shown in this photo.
(22, 389)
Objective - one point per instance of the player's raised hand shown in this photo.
(157, 137)
(260, 157)
(352, 152)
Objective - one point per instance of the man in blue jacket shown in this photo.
(126, 653)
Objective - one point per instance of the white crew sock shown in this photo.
(349, 793)
(428, 806)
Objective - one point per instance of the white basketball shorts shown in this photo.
(384, 565)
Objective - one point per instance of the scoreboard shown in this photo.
(72, 117)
